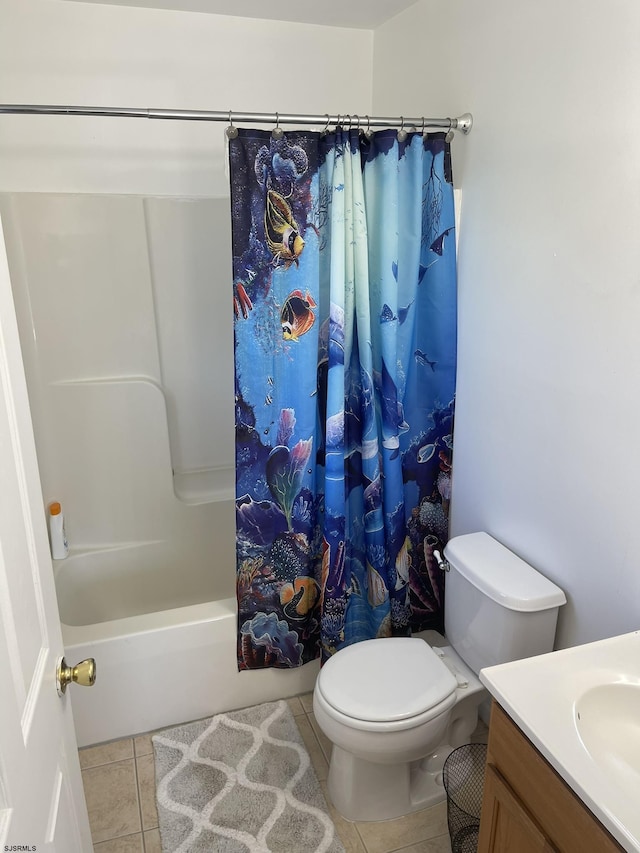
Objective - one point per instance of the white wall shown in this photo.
(546, 448)
(75, 53)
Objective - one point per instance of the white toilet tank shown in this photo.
(498, 608)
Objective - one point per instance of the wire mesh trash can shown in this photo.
(463, 778)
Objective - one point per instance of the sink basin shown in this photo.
(608, 722)
(581, 708)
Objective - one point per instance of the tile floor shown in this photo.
(119, 785)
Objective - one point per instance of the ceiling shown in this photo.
(362, 14)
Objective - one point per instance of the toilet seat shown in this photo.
(387, 684)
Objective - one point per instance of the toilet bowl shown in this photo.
(394, 708)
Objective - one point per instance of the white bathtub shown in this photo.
(158, 664)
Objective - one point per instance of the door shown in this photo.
(42, 804)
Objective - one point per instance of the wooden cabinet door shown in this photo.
(506, 825)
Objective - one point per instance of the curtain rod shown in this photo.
(462, 123)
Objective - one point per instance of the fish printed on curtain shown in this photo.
(344, 300)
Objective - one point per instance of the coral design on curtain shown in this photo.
(345, 353)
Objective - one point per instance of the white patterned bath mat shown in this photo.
(240, 782)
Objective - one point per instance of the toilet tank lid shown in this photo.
(500, 574)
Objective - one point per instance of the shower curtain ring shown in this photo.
(423, 131)
(232, 131)
(277, 132)
(368, 132)
(325, 129)
(450, 134)
(402, 133)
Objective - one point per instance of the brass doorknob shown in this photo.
(83, 673)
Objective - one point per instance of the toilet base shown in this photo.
(364, 791)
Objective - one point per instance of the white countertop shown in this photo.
(544, 696)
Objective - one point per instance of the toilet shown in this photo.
(394, 708)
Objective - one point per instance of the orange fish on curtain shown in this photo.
(296, 316)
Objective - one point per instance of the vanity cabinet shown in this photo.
(527, 807)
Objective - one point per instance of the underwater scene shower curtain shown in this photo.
(344, 297)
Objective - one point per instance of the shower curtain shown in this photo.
(344, 298)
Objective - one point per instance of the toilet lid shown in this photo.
(394, 678)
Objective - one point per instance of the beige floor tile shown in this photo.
(323, 740)
(105, 753)
(307, 702)
(142, 745)
(147, 791)
(314, 749)
(387, 835)
(296, 706)
(152, 841)
(347, 830)
(441, 844)
(112, 800)
(126, 844)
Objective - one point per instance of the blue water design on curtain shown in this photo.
(344, 295)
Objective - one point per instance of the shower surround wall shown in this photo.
(127, 342)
